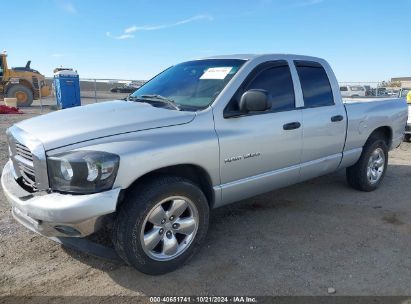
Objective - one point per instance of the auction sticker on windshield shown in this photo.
(216, 73)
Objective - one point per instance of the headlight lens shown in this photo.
(66, 170)
(83, 172)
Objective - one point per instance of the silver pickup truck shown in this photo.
(199, 135)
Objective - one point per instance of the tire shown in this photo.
(358, 176)
(143, 205)
(23, 94)
(407, 138)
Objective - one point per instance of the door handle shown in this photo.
(291, 125)
(337, 118)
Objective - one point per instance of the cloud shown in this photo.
(307, 3)
(128, 32)
(120, 37)
(67, 6)
(130, 29)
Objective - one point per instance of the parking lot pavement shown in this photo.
(300, 240)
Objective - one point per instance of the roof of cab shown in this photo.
(255, 56)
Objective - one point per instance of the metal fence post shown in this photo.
(95, 90)
(41, 100)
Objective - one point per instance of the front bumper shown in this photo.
(56, 214)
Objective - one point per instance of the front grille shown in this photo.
(24, 152)
(28, 157)
(23, 163)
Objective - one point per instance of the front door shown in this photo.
(260, 151)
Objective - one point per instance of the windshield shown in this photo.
(193, 84)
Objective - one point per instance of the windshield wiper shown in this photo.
(133, 98)
(162, 99)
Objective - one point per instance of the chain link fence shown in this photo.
(367, 89)
(98, 90)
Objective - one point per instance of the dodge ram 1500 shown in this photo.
(199, 135)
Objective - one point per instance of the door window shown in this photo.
(276, 79)
(279, 84)
(315, 84)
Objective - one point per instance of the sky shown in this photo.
(136, 39)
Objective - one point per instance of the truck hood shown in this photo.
(97, 120)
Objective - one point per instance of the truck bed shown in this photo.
(368, 99)
(366, 114)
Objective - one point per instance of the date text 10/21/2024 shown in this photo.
(203, 299)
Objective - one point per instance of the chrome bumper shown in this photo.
(55, 214)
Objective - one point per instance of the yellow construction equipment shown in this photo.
(23, 83)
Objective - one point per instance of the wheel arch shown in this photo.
(194, 173)
(383, 132)
(23, 82)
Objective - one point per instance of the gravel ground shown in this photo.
(300, 240)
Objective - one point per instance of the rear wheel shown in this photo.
(407, 138)
(161, 224)
(369, 171)
(23, 95)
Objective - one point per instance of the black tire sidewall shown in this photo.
(371, 147)
(135, 209)
(12, 91)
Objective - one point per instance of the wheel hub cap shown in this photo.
(169, 228)
(376, 166)
(21, 96)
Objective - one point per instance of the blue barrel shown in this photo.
(67, 89)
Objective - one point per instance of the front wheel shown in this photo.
(22, 93)
(369, 171)
(161, 224)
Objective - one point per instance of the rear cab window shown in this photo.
(316, 87)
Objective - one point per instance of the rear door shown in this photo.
(324, 121)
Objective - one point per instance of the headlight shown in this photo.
(82, 172)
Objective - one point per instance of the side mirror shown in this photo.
(255, 101)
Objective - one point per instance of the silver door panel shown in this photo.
(254, 185)
(320, 166)
(261, 135)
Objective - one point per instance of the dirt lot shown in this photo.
(295, 241)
